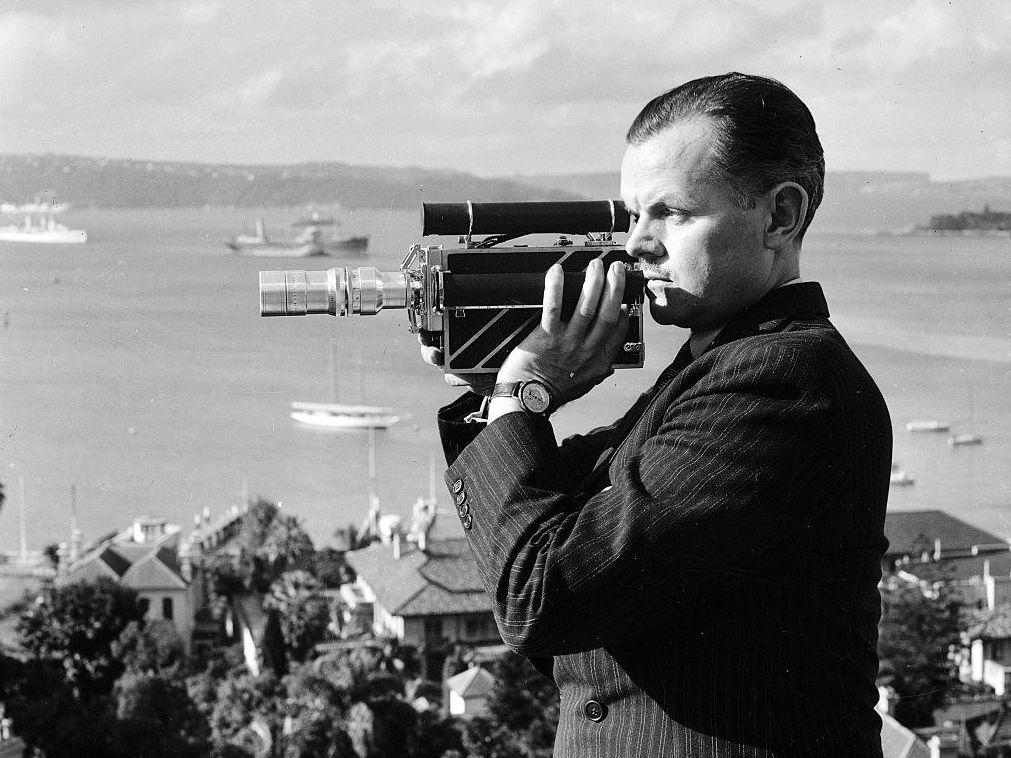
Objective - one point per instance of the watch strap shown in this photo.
(506, 389)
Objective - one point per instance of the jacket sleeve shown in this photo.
(741, 456)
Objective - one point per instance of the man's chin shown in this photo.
(663, 314)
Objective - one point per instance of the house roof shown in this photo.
(898, 741)
(474, 682)
(911, 532)
(141, 565)
(992, 625)
(441, 580)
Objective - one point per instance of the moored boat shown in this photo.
(927, 426)
(899, 477)
(342, 416)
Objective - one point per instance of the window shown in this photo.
(145, 604)
(166, 608)
(433, 630)
(474, 628)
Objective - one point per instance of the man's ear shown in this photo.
(788, 203)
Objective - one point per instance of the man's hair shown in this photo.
(765, 134)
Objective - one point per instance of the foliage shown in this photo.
(304, 612)
(330, 568)
(523, 701)
(157, 717)
(919, 629)
(243, 697)
(272, 652)
(315, 735)
(483, 738)
(270, 542)
(52, 553)
(78, 624)
(152, 646)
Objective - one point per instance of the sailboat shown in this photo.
(338, 415)
(970, 437)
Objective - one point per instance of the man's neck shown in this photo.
(700, 340)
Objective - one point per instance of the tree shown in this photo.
(524, 702)
(303, 610)
(156, 717)
(77, 625)
(920, 625)
(153, 646)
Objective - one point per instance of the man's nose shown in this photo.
(642, 243)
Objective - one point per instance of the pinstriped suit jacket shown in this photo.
(719, 598)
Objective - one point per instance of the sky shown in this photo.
(492, 88)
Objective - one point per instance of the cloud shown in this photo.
(489, 86)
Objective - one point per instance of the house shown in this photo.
(150, 558)
(978, 561)
(468, 692)
(989, 641)
(425, 593)
(165, 568)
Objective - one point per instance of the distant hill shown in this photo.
(854, 200)
(114, 183)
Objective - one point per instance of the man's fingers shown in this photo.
(431, 355)
(551, 316)
(610, 303)
(589, 297)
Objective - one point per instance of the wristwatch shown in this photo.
(534, 396)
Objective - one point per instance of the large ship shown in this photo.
(260, 245)
(39, 225)
(335, 243)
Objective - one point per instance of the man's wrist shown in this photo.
(500, 406)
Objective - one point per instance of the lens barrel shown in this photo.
(364, 291)
(567, 217)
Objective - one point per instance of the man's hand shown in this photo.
(482, 384)
(573, 357)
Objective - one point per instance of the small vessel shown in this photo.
(341, 416)
(927, 426)
(260, 245)
(968, 438)
(899, 477)
(338, 415)
(40, 226)
(335, 242)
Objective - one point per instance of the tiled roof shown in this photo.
(439, 581)
(992, 625)
(898, 741)
(913, 531)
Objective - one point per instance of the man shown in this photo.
(699, 578)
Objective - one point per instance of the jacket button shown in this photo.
(463, 510)
(457, 485)
(594, 711)
(460, 498)
(467, 521)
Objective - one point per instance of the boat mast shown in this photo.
(21, 520)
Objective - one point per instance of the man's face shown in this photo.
(703, 255)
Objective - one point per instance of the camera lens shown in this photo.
(338, 291)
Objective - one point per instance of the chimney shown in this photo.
(185, 561)
(396, 546)
(937, 549)
(62, 559)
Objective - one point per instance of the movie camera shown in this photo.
(478, 301)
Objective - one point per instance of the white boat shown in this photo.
(899, 478)
(959, 440)
(42, 227)
(342, 416)
(927, 426)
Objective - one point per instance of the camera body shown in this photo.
(476, 302)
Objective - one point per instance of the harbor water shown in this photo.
(136, 369)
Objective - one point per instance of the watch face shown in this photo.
(535, 397)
